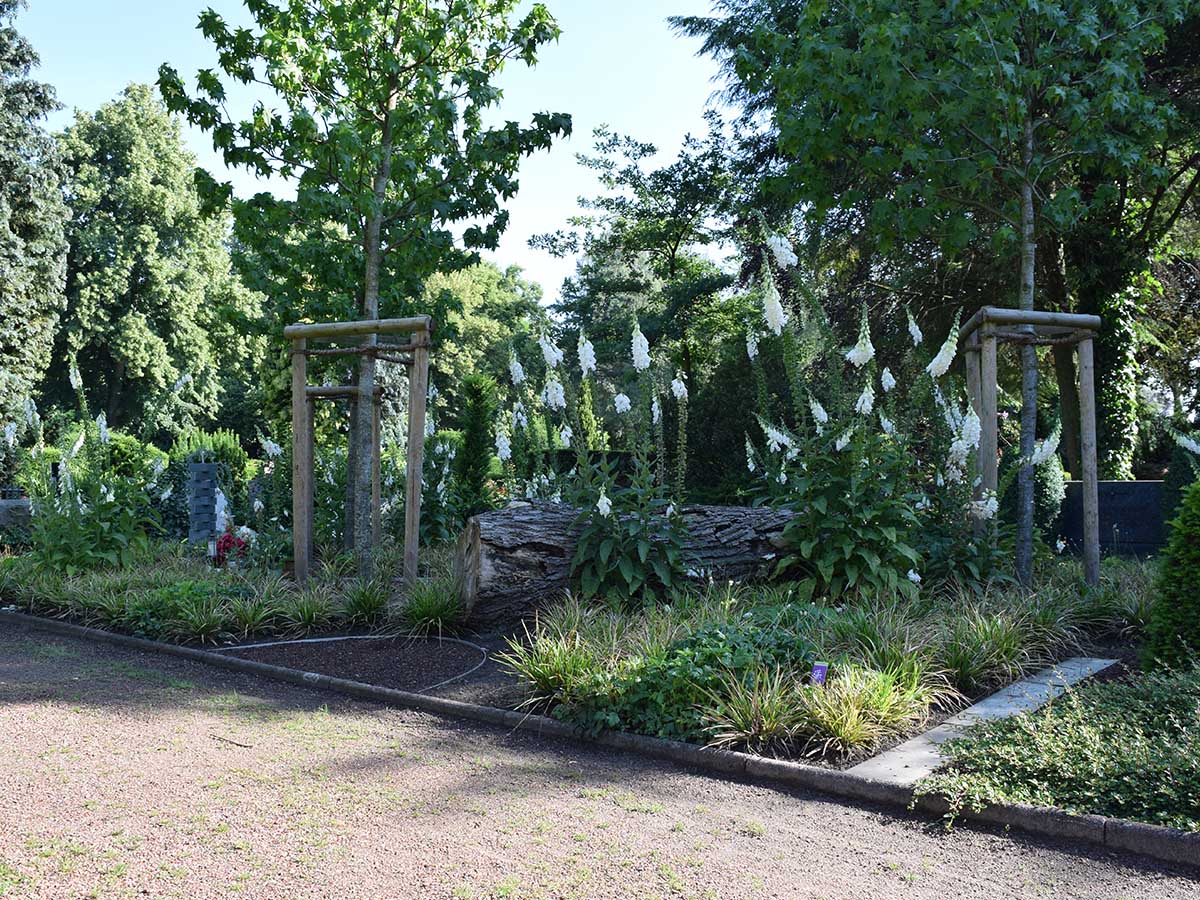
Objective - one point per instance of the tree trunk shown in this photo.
(511, 562)
(1029, 374)
(1064, 360)
(363, 436)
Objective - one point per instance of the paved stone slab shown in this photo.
(914, 759)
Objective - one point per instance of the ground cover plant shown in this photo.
(730, 665)
(1129, 749)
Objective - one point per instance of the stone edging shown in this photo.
(1167, 844)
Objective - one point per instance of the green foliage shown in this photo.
(196, 445)
(858, 541)
(1127, 749)
(32, 212)
(104, 522)
(365, 602)
(473, 463)
(155, 318)
(1049, 492)
(1184, 470)
(433, 606)
(1117, 386)
(1173, 632)
(632, 552)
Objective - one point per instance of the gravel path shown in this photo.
(132, 775)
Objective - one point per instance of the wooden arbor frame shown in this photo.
(978, 338)
(415, 355)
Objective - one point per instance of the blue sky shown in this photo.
(617, 63)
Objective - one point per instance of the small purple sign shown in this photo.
(819, 671)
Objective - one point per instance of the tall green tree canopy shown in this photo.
(383, 127)
(32, 212)
(155, 318)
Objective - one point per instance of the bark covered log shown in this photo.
(513, 561)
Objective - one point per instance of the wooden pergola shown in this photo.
(978, 339)
(414, 353)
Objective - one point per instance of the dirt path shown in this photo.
(131, 775)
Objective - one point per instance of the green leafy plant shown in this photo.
(473, 463)
(365, 602)
(433, 606)
(1173, 630)
(102, 522)
(308, 611)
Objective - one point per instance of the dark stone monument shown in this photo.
(202, 501)
(1131, 520)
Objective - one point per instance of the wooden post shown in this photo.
(1087, 452)
(418, 387)
(301, 463)
(989, 438)
(311, 499)
(351, 457)
(376, 488)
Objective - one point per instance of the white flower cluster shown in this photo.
(270, 448)
(520, 418)
(604, 505)
(565, 435)
(984, 508)
(1187, 443)
(102, 427)
(844, 441)
(183, 381)
(914, 330)
(678, 388)
(516, 370)
(76, 378)
(776, 439)
(752, 345)
(550, 352)
(553, 395)
(864, 351)
(887, 380)
(941, 363)
(969, 431)
(621, 403)
(503, 446)
(866, 400)
(1044, 451)
(587, 355)
(781, 249)
(773, 311)
(818, 412)
(10, 433)
(640, 349)
(655, 411)
(886, 424)
(749, 454)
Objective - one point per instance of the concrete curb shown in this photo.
(1166, 844)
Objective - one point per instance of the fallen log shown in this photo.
(512, 561)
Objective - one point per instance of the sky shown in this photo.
(617, 63)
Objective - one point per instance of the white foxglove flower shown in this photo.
(773, 312)
(972, 428)
(781, 477)
(678, 388)
(1044, 451)
(621, 404)
(565, 435)
(749, 454)
(1060, 545)
(751, 345)
(503, 446)
(106, 492)
(587, 355)
(76, 378)
(941, 363)
(519, 417)
(271, 448)
(515, 370)
(430, 427)
(257, 506)
(10, 433)
(181, 382)
(818, 411)
(604, 505)
(886, 424)
(641, 349)
(776, 439)
(866, 400)
(165, 495)
(102, 427)
(864, 351)
(553, 395)
(655, 411)
(31, 412)
(550, 352)
(841, 443)
(985, 508)
(914, 330)
(887, 380)
(78, 445)
(781, 249)
(914, 576)
(670, 513)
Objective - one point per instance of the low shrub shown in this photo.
(1128, 749)
(1173, 630)
(432, 606)
(365, 602)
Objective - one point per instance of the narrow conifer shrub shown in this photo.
(1173, 630)
(474, 461)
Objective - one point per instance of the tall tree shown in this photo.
(32, 212)
(154, 312)
(954, 120)
(382, 128)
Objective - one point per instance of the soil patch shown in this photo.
(403, 663)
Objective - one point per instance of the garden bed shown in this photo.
(404, 663)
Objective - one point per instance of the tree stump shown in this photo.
(511, 562)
